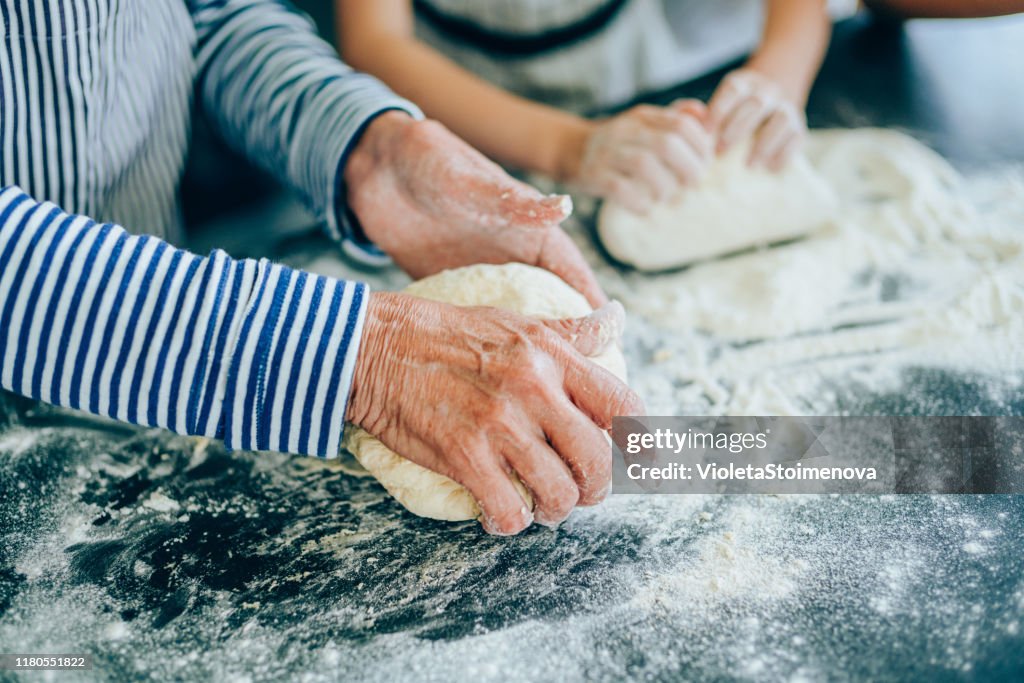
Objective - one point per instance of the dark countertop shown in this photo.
(168, 557)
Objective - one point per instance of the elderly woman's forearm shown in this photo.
(128, 327)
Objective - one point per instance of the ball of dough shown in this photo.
(735, 207)
(515, 287)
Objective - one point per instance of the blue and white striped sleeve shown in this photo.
(250, 352)
(280, 94)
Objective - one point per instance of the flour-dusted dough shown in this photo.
(734, 208)
(515, 287)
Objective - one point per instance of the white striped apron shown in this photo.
(586, 55)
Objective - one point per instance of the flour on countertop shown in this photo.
(275, 565)
(922, 268)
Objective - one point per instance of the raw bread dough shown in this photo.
(734, 208)
(516, 287)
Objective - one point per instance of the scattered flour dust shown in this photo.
(921, 266)
(16, 441)
(161, 503)
(737, 564)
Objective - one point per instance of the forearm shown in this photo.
(125, 326)
(507, 128)
(793, 44)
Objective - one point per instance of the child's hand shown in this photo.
(748, 103)
(645, 154)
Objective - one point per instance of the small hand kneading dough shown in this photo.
(734, 207)
(515, 287)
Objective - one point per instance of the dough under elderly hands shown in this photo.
(515, 287)
(735, 207)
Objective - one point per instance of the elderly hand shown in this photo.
(432, 202)
(478, 393)
(645, 154)
(748, 103)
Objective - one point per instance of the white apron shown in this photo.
(585, 55)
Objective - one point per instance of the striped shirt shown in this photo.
(95, 97)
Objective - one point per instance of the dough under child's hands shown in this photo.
(735, 207)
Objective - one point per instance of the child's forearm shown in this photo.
(509, 129)
(793, 44)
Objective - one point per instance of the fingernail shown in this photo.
(561, 203)
(605, 325)
(616, 311)
(491, 527)
(544, 522)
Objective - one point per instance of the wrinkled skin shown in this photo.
(747, 103)
(479, 393)
(645, 154)
(432, 202)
